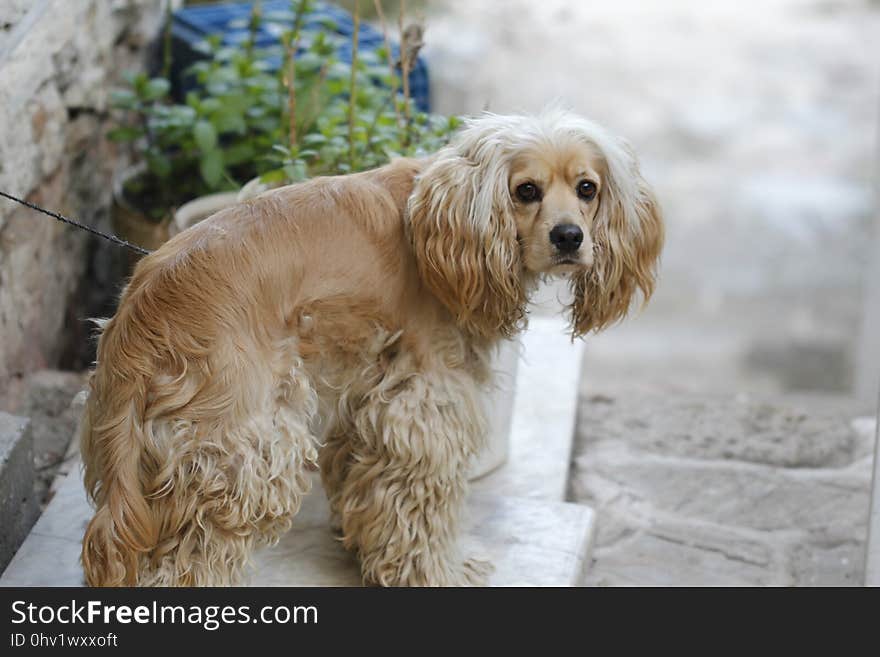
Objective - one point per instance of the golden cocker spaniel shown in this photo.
(346, 323)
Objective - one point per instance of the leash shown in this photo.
(106, 236)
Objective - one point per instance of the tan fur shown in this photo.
(346, 322)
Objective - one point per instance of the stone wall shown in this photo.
(58, 61)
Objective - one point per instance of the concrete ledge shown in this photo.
(18, 504)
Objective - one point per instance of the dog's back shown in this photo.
(208, 326)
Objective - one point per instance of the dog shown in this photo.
(346, 324)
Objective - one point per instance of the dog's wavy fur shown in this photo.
(345, 323)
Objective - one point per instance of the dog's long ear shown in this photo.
(628, 237)
(464, 236)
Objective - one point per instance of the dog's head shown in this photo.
(512, 198)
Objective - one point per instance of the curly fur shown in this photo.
(346, 323)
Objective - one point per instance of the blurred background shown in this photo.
(756, 122)
(725, 432)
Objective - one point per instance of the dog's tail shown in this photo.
(112, 441)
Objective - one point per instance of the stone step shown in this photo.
(529, 542)
(712, 489)
(18, 504)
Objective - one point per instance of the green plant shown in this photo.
(314, 115)
(214, 140)
(354, 116)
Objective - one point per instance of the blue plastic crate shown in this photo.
(192, 25)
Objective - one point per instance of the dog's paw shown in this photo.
(470, 572)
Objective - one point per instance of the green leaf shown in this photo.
(178, 116)
(125, 133)
(296, 171)
(314, 139)
(230, 121)
(139, 82)
(211, 105)
(238, 153)
(205, 135)
(211, 167)
(156, 88)
(159, 165)
(123, 98)
(274, 176)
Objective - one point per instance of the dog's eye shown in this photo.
(528, 192)
(586, 190)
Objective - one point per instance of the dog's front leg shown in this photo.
(402, 496)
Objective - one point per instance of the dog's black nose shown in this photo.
(566, 237)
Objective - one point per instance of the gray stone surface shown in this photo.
(794, 432)
(872, 553)
(18, 505)
(45, 397)
(723, 490)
